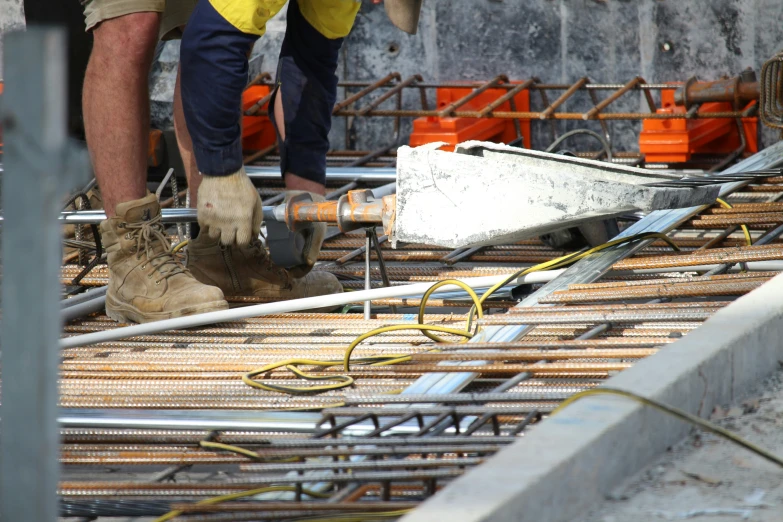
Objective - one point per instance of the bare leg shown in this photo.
(292, 181)
(186, 146)
(116, 105)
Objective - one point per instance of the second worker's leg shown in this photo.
(236, 269)
(146, 281)
(185, 145)
(116, 105)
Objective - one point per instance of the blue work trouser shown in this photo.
(214, 61)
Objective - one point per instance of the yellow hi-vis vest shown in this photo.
(331, 18)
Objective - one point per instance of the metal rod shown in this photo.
(207, 420)
(367, 275)
(391, 92)
(96, 304)
(367, 90)
(364, 174)
(506, 97)
(446, 111)
(549, 111)
(592, 113)
(85, 296)
(284, 307)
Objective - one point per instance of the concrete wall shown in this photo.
(11, 17)
(556, 40)
(562, 40)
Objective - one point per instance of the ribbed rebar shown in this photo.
(673, 290)
(714, 256)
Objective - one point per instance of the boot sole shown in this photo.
(125, 313)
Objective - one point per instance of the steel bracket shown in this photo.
(286, 240)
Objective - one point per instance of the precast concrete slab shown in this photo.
(574, 459)
(486, 194)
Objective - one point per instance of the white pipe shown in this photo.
(309, 303)
(367, 276)
(752, 266)
(294, 305)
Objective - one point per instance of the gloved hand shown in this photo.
(230, 208)
(314, 238)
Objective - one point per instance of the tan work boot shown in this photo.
(146, 282)
(248, 271)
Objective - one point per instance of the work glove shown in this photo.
(313, 239)
(230, 208)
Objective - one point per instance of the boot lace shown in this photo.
(148, 235)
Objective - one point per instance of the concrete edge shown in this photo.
(569, 463)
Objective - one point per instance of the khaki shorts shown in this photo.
(175, 13)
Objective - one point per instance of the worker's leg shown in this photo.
(214, 74)
(307, 88)
(116, 103)
(185, 145)
(175, 19)
(305, 96)
(146, 281)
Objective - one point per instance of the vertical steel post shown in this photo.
(367, 276)
(36, 175)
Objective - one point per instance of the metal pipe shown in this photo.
(363, 174)
(208, 420)
(87, 307)
(180, 215)
(293, 305)
(367, 276)
(85, 296)
(738, 90)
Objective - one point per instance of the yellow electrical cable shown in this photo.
(748, 238)
(431, 290)
(680, 414)
(242, 451)
(394, 328)
(343, 381)
(569, 259)
(179, 246)
(356, 517)
(233, 496)
(339, 381)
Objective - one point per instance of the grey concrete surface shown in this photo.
(709, 478)
(569, 463)
(11, 17)
(558, 41)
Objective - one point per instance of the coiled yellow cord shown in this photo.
(343, 381)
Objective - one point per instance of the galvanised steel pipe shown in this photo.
(189, 215)
(96, 304)
(296, 422)
(294, 305)
(363, 174)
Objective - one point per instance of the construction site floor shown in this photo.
(709, 478)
